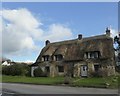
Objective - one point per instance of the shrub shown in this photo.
(103, 72)
(67, 80)
(94, 74)
(117, 68)
(16, 70)
(39, 73)
(6, 70)
(99, 73)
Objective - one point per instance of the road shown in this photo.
(11, 88)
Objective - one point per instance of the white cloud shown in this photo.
(57, 32)
(113, 33)
(21, 30)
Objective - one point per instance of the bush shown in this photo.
(16, 70)
(67, 80)
(94, 74)
(103, 72)
(117, 68)
(99, 73)
(39, 73)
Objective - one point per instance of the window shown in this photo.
(60, 69)
(94, 54)
(96, 68)
(46, 58)
(84, 68)
(58, 57)
(47, 69)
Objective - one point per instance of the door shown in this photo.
(84, 70)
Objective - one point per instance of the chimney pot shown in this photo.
(47, 42)
(80, 36)
(107, 31)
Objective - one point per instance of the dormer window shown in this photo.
(58, 57)
(91, 55)
(46, 58)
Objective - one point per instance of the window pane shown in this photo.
(60, 69)
(96, 67)
(96, 54)
(47, 69)
(46, 58)
(58, 57)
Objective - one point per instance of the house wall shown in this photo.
(109, 66)
(106, 65)
(77, 68)
(73, 68)
(32, 70)
(53, 70)
(6, 63)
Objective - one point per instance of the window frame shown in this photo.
(92, 55)
(46, 58)
(58, 57)
(61, 69)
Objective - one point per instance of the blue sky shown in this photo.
(75, 18)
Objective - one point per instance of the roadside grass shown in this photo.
(33, 80)
(107, 82)
(0, 78)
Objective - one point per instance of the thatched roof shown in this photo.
(75, 49)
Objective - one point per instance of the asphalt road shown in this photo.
(11, 88)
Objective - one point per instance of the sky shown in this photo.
(26, 26)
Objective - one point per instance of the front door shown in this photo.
(84, 70)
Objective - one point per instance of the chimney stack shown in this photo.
(47, 42)
(80, 36)
(107, 31)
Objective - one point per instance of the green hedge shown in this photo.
(16, 70)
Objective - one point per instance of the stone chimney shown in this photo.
(80, 36)
(107, 31)
(47, 42)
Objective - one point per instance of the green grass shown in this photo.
(108, 82)
(33, 80)
(80, 82)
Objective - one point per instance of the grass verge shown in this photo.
(33, 80)
(108, 82)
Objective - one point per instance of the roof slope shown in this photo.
(75, 49)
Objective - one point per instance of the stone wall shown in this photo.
(73, 68)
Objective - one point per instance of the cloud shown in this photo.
(113, 33)
(57, 32)
(21, 30)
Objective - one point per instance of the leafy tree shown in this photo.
(117, 49)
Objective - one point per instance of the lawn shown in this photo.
(33, 80)
(108, 82)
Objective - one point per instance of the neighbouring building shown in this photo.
(5, 62)
(78, 57)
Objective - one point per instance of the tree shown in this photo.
(117, 50)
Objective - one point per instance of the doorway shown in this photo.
(84, 70)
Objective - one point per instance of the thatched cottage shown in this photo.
(78, 57)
